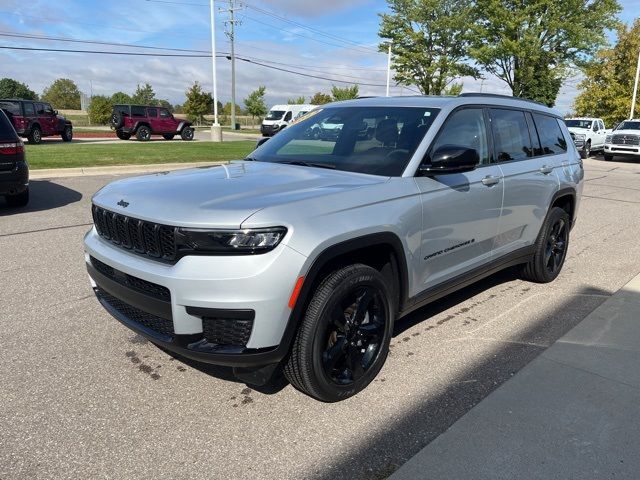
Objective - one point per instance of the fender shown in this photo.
(184, 124)
(30, 127)
(565, 192)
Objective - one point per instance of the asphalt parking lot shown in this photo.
(83, 397)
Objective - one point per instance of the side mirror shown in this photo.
(450, 159)
(262, 141)
(55, 112)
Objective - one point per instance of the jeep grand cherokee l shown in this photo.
(304, 254)
(35, 120)
(144, 121)
(14, 171)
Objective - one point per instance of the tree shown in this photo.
(532, 45)
(320, 99)
(63, 93)
(226, 109)
(144, 95)
(344, 93)
(254, 103)
(608, 86)
(100, 110)
(10, 88)
(430, 42)
(165, 104)
(178, 108)
(198, 104)
(296, 101)
(121, 98)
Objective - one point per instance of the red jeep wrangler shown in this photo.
(144, 121)
(34, 120)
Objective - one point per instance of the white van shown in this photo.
(280, 116)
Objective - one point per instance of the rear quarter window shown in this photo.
(13, 108)
(138, 111)
(6, 129)
(550, 133)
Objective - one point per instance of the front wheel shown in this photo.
(586, 150)
(67, 134)
(550, 248)
(607, 157)
(344, 338)
(187, 134)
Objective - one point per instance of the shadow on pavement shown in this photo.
(44, 195)
(389, 446)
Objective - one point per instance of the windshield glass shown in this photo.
(629, 126)
(373, 140)
(579, 123)
(274, 115)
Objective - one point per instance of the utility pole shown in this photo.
(231, 24)
(635, 88)
(388, 69)
(216, 129)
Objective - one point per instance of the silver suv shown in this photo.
(304, 254)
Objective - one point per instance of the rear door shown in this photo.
(460, 211)
(529, 148)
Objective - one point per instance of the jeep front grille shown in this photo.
(135, 283)
(146, 238)
(625, 140)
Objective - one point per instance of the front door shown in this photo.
(460, 211)
(152, 115)
(47, 118)
(166, 122)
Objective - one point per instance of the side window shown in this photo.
(533, 134)
(465, 128)
(551, 137)
(601, 125)
(510, 135)
(596, 126)
(164, 113)
(288, 116)
(29, 110)
(137, 111)
(152, 112)
(40, 108)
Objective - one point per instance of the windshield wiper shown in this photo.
(250, 159)
(309, 164)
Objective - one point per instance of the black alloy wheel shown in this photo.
(556, 250)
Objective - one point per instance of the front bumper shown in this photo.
(613, 149)
(198, 289)
(579, 143)
(269, 130)
(16, 180)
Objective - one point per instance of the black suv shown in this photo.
(14, 171)
(35, 120)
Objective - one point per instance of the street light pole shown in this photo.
(216, 129)
(388, 69)
(635, 88)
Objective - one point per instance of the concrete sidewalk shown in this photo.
(574, 412)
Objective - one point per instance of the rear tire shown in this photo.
(35, 136)
(607, 157)
(19, 200)
(168, 137)
(187, 134)
(143, 134)
(344, 337)
(550, 248)
(122, 135)
(67, 134)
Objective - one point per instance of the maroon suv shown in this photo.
(144, 121)
(34, 120)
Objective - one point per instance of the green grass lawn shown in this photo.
(63, 155)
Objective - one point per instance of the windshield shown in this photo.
(579, 123)
(274, 115)
(373, 140)
(629, 126)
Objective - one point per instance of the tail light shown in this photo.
(12, 148)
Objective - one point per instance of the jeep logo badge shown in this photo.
(123, 204)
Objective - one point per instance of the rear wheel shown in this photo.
(607, 157)
(122, 135)
(35, 136)
(143, 134)
(344, 338)
(67, 133)
(187, 134)
(168, 136)
(550, 248)
(19, 200)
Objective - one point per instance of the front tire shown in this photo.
(586, 150)
(344, 337)
(19, 200)
(35, 136)
(607, 157)
(67, 134)
(187, 134)
(143, 134)
(550, 248)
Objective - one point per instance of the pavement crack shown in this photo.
(45, 229)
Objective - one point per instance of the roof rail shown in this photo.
(497, 95)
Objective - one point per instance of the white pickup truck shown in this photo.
(624, 140)
(588, 134)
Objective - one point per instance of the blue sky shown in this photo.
(261, 36)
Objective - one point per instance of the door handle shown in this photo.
(546, 169)
(490, 180)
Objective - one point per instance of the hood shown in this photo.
(635, 133)
(223, 196)
(583, 131)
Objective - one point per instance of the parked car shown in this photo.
(280, 116)
(302, 258)
(588, 134)
(144, 121)
(14, 170)
(624, 141)
(35, 120)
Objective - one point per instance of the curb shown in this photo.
(115, 170)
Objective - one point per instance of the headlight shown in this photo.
(608, 139)
(229, 242)
(580, 136)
